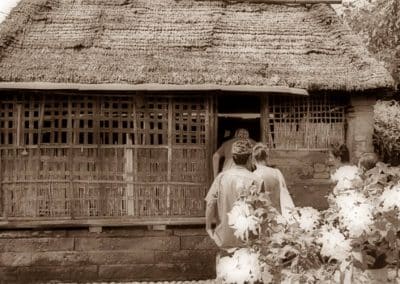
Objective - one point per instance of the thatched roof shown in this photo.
(184, 42)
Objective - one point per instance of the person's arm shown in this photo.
(210, 215)
(211, 206)
(216, 158)
(285, 200)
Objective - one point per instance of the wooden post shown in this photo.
(264, 131)
(19, 126)
(2, 195)
(70, 162)
(169, 173)
(135, 156)
(209, 125)
(128, 176)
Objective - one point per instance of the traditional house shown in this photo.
(111, 110)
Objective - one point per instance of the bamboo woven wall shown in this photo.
(101, 156)
(309, 123)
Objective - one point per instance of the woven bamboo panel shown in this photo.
(103, 156)
(188, 200)
(189, 165)
(305, 122)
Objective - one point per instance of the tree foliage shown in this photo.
(378, 23)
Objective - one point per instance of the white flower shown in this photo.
(345, 172)
(345, 176)
(334, 243)
(355, 212)
(390, 199)
(307, 217)
(242, 267)
(242, 221)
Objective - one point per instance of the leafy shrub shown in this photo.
(387, 131)
(361, 225)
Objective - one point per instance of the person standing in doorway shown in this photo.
(225, 151)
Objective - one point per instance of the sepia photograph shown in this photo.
(200, 141)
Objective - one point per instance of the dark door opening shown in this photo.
(238, 112)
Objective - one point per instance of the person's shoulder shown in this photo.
(238, 172)
(253, 176)
(266, 170)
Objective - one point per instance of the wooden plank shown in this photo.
(157, 227)
(83, 181)
(19, 223)
(157, 87)
(63, 146)
(95, 229)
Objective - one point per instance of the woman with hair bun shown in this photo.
(274, 182)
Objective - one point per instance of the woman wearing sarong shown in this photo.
(274, 182)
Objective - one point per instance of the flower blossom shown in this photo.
(345, 176)
(390, 199)
(242, 267)
(241, 219)
(307, 217)
(334, 243)
(355, 212)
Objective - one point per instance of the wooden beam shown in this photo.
(296, 1)
(25, 223)
(95, 229)
(152, 87)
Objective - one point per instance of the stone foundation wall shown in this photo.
(307, 176)
(120, 254)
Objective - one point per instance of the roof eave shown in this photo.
(150, 87)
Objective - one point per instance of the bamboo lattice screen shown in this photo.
(310, 123)
(104, 156)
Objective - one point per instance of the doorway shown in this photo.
(238, 111)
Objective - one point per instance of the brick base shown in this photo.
(118, 254)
